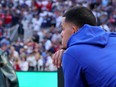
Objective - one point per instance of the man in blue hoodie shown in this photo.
(90, 56)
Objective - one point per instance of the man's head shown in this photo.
(74, 19)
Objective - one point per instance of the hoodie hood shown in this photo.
(93, 35)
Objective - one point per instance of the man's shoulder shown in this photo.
(73, 50)
(80, 50)
(79, 47)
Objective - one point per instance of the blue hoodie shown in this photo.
(90, 58)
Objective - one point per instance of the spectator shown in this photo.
(8, 19)
(1, 29)
(47, 44)
(17, 64)
(49, 64)
(23, 63)
(31, 61)
(104, 25)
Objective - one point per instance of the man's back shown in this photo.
(90, 59)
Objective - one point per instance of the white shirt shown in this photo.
(50, 65)
(40, 62)
(15, 54)
(36, 24)
(29, 2)
(48, 44)
(105, 27)
(58, 21)
(41, 35)
(31, 60)
(24, 65)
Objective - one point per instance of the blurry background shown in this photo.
(30, 32)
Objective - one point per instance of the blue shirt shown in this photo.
(90, 58)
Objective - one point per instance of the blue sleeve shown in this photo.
(73, 76)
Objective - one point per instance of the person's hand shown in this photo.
(57, 58)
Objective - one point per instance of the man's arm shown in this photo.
(73, 73)
(57, 58)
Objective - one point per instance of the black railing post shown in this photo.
(60, 78)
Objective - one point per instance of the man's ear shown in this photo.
(74, 29)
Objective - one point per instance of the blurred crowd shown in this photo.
(39, 28)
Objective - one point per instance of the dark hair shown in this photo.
(80, 16)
